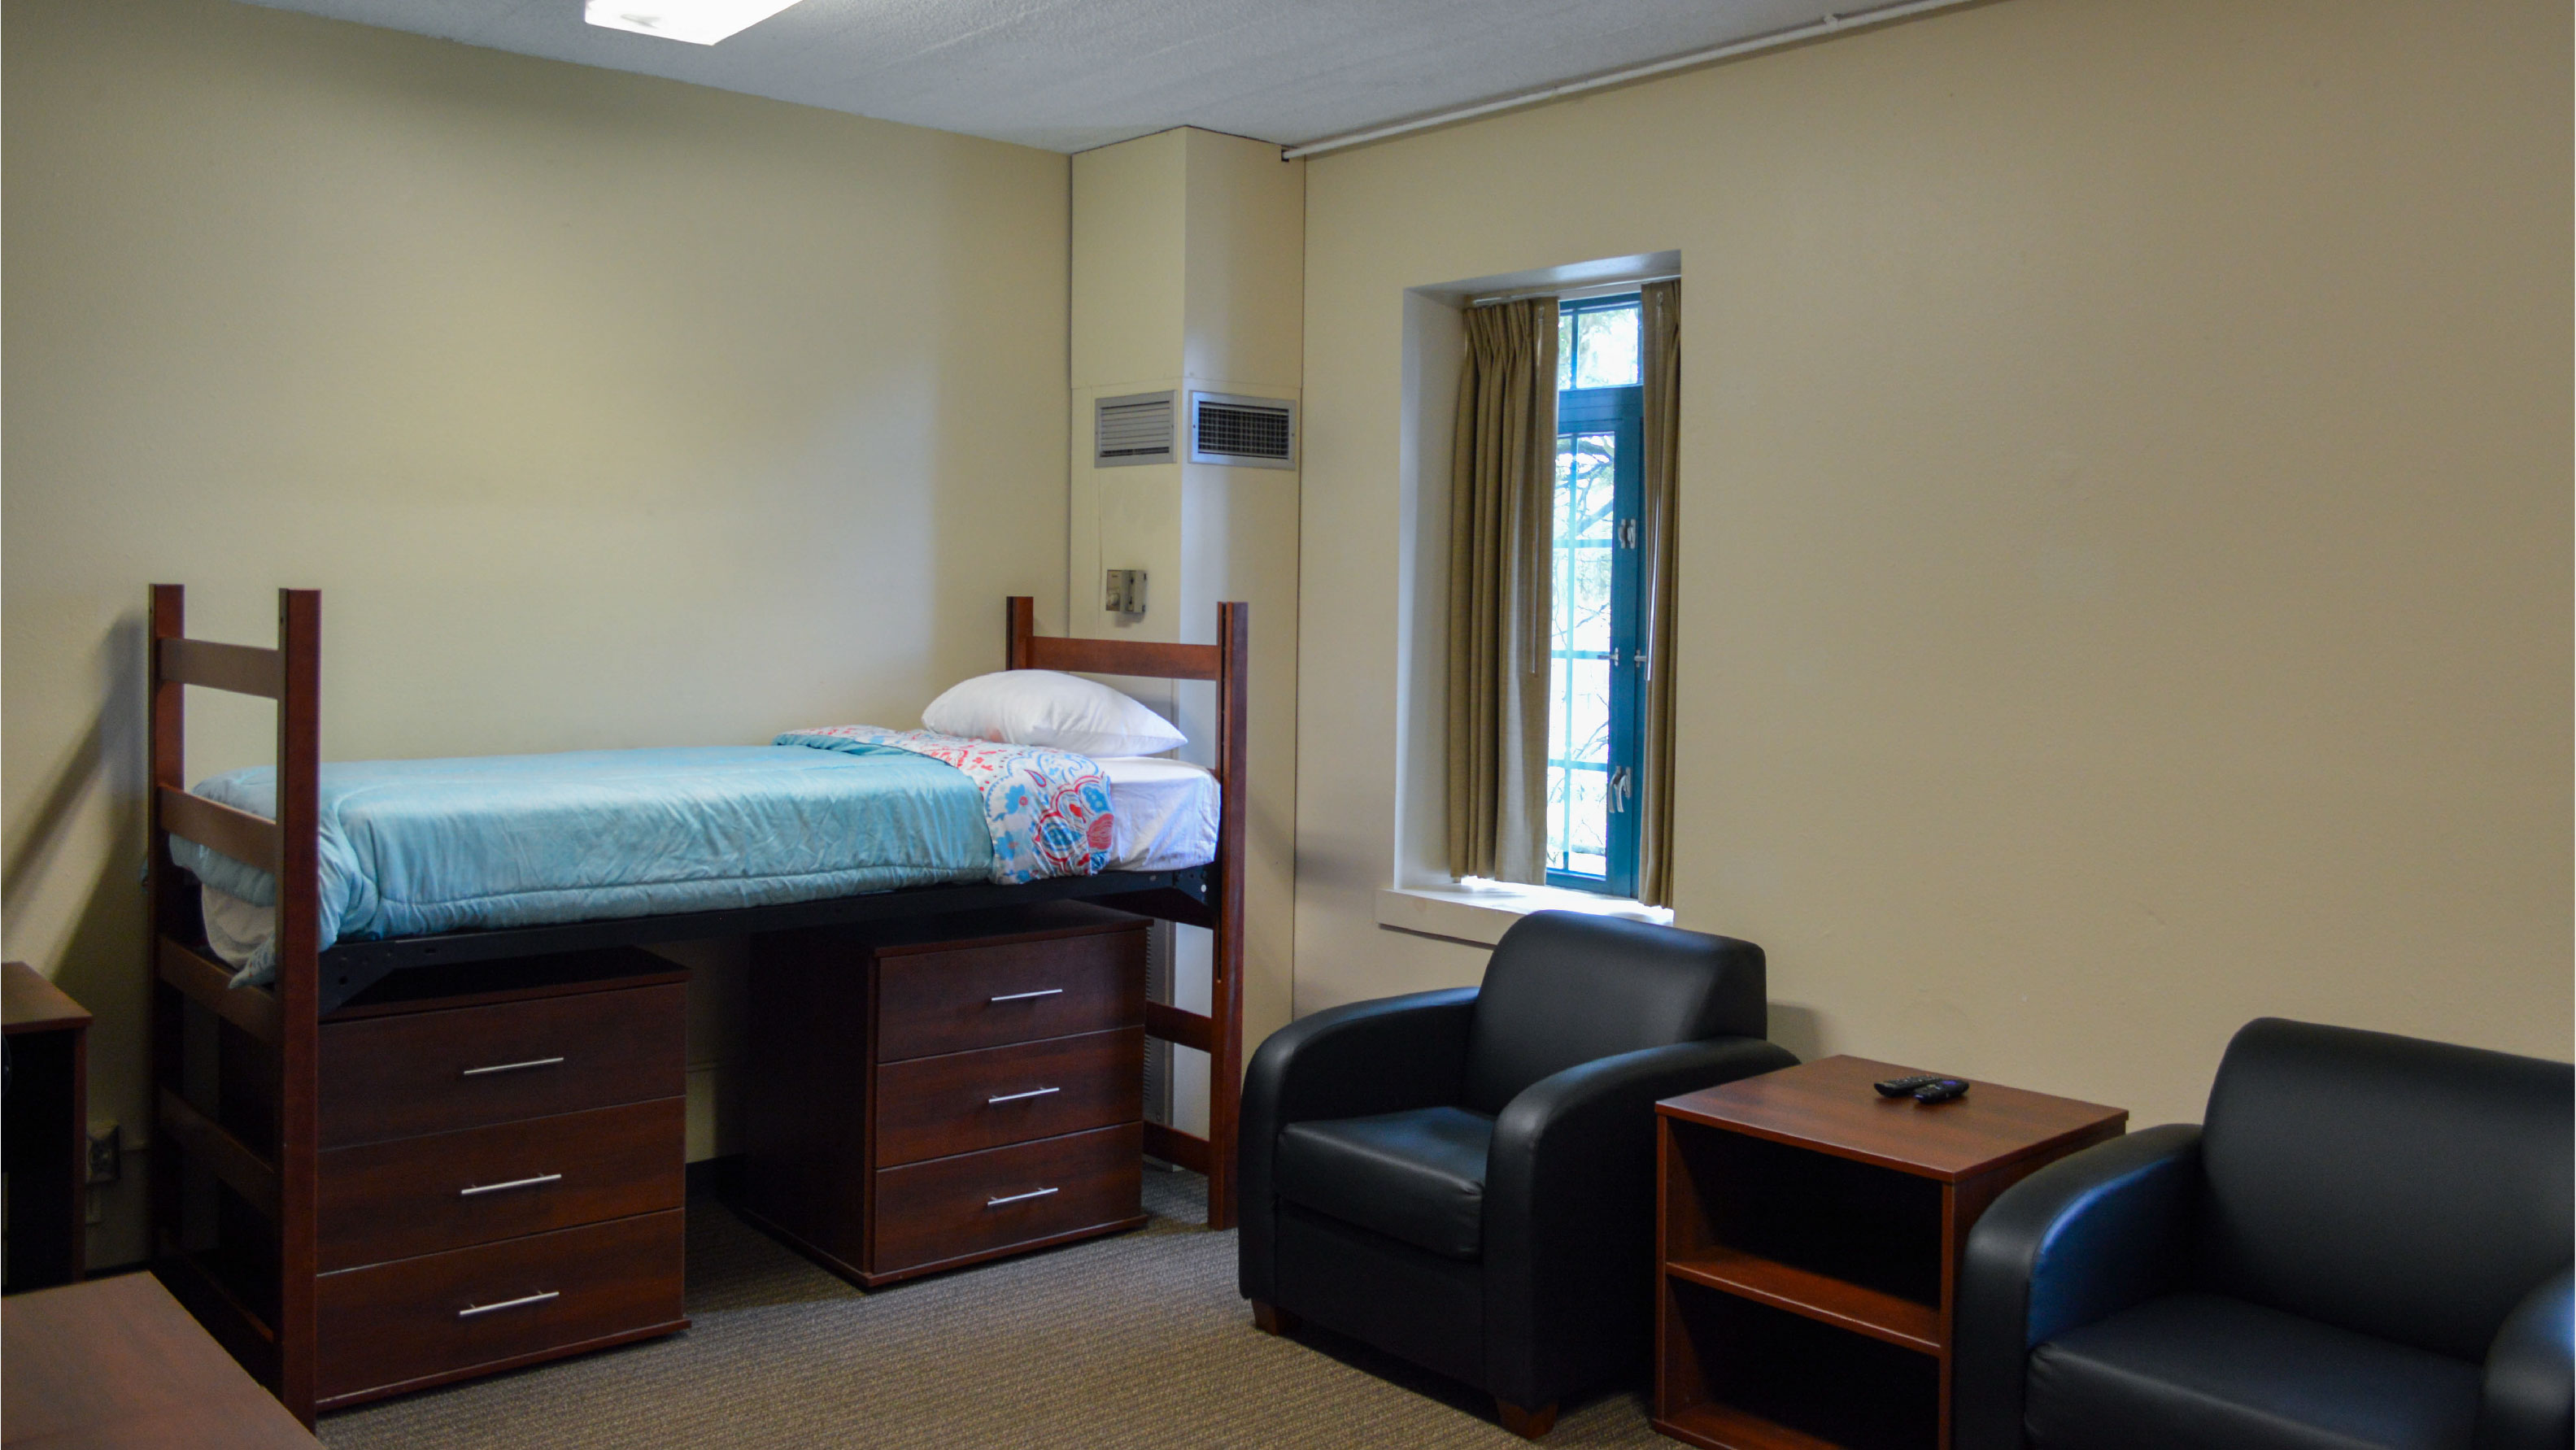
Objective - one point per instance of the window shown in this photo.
(1596, 654)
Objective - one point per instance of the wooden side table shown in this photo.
(47, 1128)
(1810, 1233)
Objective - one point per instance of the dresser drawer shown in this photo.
(948, 1209)
(960, 1102)
(983, 996)
(409, 1196)
(465, 1067)
(440, 1315)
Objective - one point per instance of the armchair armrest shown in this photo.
(1381, 1056)
(1570, 1213)
(2530, 1396)
(2080, 1239)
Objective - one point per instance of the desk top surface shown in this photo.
(117, 1363)
(29, 1003)
(1829, 1105)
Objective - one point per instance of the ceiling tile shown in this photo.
(1067, 75)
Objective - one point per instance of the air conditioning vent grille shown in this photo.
(1245, 432)
(1134, 429)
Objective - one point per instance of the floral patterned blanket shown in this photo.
(1048, 809)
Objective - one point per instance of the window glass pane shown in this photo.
(1564, 350)
(1579, 697)
(1578, 812)
(1606, 348)
(1585, 518)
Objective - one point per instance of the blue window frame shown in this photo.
(1596, 654)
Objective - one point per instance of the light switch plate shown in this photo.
(106, 1151)
(1126, 591)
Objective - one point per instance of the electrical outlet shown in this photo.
(106, 1153)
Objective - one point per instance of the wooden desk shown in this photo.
(47, 1131)
(117, 1363)
(1810, 1233)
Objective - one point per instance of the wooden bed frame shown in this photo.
(270, 1036)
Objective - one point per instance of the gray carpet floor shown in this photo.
(1134, 1341)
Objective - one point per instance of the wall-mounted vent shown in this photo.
(1133, 429)
(1243, 432)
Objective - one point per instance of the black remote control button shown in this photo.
(1941, 1090)
(1897, 1087)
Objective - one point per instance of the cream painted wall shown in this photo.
(1187, 257)
(2126, 522)
(604, 410)
(1130, 261)
(1243, 316)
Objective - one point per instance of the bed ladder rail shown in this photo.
(240, 1329)
(266, 1158)
(209, 985)
(1173, 1145)
(1181, 1028)
(243, 669)
(206, 1143)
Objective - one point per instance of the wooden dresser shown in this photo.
(501, 1170)
(941, 1090)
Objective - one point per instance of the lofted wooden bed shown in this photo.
(243, 1258)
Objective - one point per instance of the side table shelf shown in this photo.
(45, 1140)
(1810, 1233)
(1820, 1297)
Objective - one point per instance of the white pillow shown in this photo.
(1053, 709)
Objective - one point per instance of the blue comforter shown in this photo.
(417, 846)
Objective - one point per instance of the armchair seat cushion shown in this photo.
(2223, 1374)
(1416, 1176)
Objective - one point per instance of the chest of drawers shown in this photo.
(500, 1175)
(939, 1091)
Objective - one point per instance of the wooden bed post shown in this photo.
(1225, 996)
(299, 977)
(166, 748)
(1021, 614)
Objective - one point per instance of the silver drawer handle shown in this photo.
(1018, 1097)
(1026, 996)
(510, 1066)
(1010, 1198)
(473, 1309)
(513, 1183)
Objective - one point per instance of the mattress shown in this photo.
(1165, 813)
(417, 847)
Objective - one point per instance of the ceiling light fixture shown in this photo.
(699, 22)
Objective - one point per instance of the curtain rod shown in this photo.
(1829, 25)
(1572, 294)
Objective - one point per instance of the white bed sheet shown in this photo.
(1165, 813)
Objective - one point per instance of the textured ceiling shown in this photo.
(1071, 74)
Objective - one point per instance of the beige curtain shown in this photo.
(1660, 341)
(1502, 490)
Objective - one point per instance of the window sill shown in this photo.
(1480, 914)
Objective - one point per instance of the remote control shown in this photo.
(1897, 1087)
(1941, 1090)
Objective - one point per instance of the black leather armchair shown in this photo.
(1466, 1178)
(2367, 1244)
